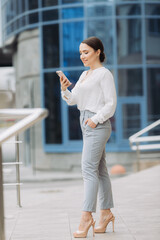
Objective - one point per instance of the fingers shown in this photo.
(64, 82)
(86, 121)
(90, 123)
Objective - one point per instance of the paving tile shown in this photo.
(53, 213)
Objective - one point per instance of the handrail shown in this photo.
(146, 129)
(28, 118)
(136, 139)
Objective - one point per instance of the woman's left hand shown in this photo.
(90, 123)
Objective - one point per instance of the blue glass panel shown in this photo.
(128, 9)
(153, 9)
(53, 132)
(131, 119)
(47, 3)
(74, 125)
(51, 46)
(98, 11)
(72, 37)
(130, 82)
(50, 15)
(33, 18)
(153, 93)
(72, 12)
(129, 41)
(71, 1)
(33, 4)
(103, 29)
(10, 11)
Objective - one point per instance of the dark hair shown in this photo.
(96, 44)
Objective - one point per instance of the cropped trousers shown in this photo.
(94, 169)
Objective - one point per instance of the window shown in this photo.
(130, 82)
(72, 13)
(50, 15)
(48, 3)
(128, 9)
(72, 37)
(153, 91)
(51, 46)
(103, 29)
(131, 119)
(71, 1)
(33, 18)
(99, 11)
(129, 41)
(53, 133)
(73, 112)
(33, 4)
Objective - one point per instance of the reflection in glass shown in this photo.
(50, 15)
(129, 41)
(98, 11)
(131, 119)
(33, 18)
(103, 29)
(48, 3)
(53, 133)
(130, 82)
(72, 37)
(128, 9)
(72, 13)
(51, 46)
(153, 40)
(153, 92)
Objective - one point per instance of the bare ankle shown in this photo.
(105, 211)
(86, 216)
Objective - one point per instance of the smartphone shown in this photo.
(61, 74)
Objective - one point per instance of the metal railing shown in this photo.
(137, 142)
(28, 118)
(17, 163)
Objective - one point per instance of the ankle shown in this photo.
(86, 216)
(105, 212)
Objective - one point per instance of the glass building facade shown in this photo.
(130, 31)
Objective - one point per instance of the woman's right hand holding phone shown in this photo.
(65, 83)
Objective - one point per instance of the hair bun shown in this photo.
(102, 56)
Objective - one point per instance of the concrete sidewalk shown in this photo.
(51, 210)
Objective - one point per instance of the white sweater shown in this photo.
(96, 93)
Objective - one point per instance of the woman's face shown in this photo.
(88, 55)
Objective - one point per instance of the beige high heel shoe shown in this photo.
(102, 228)
(83, 234)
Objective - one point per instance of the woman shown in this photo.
(95, 96)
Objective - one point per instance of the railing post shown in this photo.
(18, 173)
(2, 231)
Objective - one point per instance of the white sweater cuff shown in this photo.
(94, 119)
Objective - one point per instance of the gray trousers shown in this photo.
(94, 169)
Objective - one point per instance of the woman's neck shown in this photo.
(94, 66)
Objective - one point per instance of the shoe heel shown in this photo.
(113, 223)
(93, 225)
